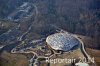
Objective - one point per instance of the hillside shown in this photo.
(8, 59)
(96, 54)
(27, 23)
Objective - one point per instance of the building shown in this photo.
(81, 64)
(62, 41)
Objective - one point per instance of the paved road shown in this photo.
(84, 51)
(35, 20)
(82, 44)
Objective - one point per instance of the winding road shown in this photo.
(35, 20)
(82, 47)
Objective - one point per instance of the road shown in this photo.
(1, 47)
(15, 33)
(82, 47)
(35, 20)
(15, 30)
(21, 38)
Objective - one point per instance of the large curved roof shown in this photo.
(62, 41)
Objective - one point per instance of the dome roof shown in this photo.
(62, 41)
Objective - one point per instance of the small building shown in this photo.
(81, 64)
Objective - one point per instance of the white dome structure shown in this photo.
(62, 41)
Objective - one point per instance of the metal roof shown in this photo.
(62, 41)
